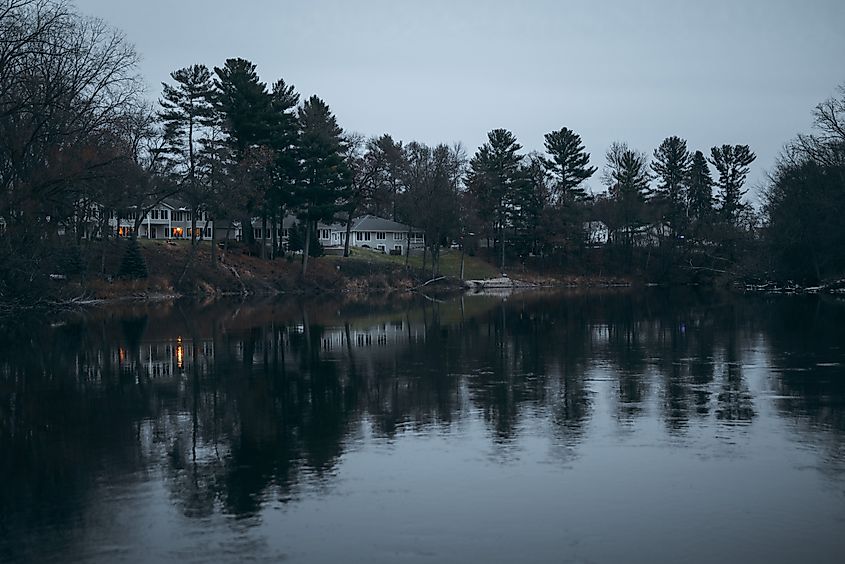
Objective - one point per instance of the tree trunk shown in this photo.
(502, 243)
(348, 234)
(274, 227)
(307, 247)
(213, 243)
(263, 235)
(193, 227)
(247, 236)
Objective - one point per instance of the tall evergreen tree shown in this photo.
(246, 109)
(187, 113)
(699, 193)
(366, 165)
(568, 164)
(284, 140)
(392, 154)
(531, 204)
(671, 166)
(495, 175)
(627, 178)
(732, 162)
(325, 179)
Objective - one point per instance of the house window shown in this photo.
(154, 214)
(359, 236)
(208, 232)
(164, 214)
(381, 236)
(176, 232)
(398, 236)
(367, 236)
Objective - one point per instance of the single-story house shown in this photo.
(367, 231)
(372, 232)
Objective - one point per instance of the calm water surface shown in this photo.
(600, 427)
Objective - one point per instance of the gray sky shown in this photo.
(443, 71)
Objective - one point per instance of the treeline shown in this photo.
(78, 139)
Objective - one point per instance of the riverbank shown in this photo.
(175, 271)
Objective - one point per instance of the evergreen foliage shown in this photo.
(325, 177)
(699, 190)
(568, 165)
(671, 166)
(133, 264)
(732, 162)
(187, 114)
(497, 179)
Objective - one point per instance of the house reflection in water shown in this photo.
(164, 358)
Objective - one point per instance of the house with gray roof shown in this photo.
(367, 232)
(376, 233)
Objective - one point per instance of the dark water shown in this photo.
(542, 428)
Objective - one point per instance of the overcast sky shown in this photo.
(444, 71)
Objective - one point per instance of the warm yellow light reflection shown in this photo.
(180, 354)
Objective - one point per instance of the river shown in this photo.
(602, 426)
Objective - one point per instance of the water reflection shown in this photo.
(233, 408)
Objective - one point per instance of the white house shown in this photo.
(367, 231)
(596, 233)
(169, 219)
(371, 232)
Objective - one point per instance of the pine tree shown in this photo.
(324, 181)
(671, 166)
(392, 154)
(133, 264)
(245, 104)
(627, 178)
(699, 193)
(246, 109)
(284, 140)
(530, 202)
(187, 112)
(494, 177)
(732, 162)
(568, 165)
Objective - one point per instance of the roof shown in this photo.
(175, 203)
(373, 223)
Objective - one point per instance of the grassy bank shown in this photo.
(175, 269)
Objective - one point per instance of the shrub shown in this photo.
(133, 264)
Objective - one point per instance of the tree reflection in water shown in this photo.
(241, 404)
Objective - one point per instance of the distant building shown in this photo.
(597, 233)
(372, 232)
(368, 232)
(169, 219)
